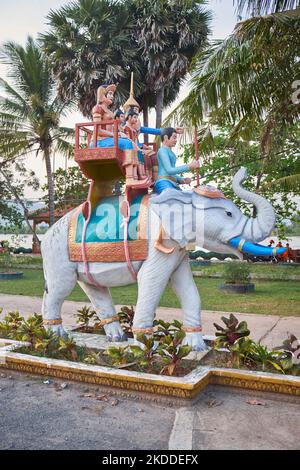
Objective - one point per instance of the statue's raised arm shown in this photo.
(168, 172)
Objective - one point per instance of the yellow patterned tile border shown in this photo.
(265, 382)
(185, 387)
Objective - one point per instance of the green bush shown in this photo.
(237, 273)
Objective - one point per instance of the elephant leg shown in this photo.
(153, 278)
(60, 273)
(184, 286)
(55, 293)
(104, 307)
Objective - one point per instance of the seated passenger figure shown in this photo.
(132, 106)
(131, 131)
(147, 156)
(168, 172)
(120, 116)
(105, 137)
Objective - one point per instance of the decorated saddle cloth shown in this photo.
(104, 240)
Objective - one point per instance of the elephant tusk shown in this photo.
(158, 244)
(254, 249)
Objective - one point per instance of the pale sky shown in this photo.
(20, 18)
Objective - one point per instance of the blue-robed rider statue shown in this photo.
(168, 172)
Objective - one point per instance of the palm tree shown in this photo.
(261, 7)
(247, 81)
(89, 44)
(168, 35)
(30, 111)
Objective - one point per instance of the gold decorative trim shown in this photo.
(241, 244)
(141, 384)
(52, 322)
(275, 384)
(109, 252)
(142, 331)
(107, 321)
(188, 387)
(191, 329)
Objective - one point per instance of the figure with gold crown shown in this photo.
(111, 240)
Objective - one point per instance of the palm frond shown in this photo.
(289, 183)
(246, 77)
(64, 147)
(262, 7)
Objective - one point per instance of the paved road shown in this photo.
(35, 415)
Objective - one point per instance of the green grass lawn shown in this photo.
(270, 270)
(271, 297)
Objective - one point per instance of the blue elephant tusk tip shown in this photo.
(245, 246)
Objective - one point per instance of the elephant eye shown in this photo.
(229, 214)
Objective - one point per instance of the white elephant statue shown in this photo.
(214, 224)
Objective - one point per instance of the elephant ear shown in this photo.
(176, 214)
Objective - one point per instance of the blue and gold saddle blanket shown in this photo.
(104, 239)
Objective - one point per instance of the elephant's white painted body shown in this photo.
(209, 223)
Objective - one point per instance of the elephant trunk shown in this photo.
(256, 229)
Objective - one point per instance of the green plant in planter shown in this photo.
(68, 348)
(290, 361)
(5, 330)
(233, 331)
(94, 358)
(120, 356)
(13, 320)
(145, 355)
(172, 351)
(46, 343)
(5, 258)
(166, 329)
(126, 316)
(84, 316)
(241, 351)
(237, 273)
(261, 355)
(29, 330)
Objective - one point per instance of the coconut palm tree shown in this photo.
(248, 80)
(168, 34)
(89, 44)
(30, 111)
(261, 7)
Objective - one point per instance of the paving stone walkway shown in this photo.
(270, 329)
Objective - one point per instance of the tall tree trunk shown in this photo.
(146, 120)
(19, 200)
(50, 182)
(159, 106)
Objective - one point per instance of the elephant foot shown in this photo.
(196, 341)
(114, 332)
(58, 330)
